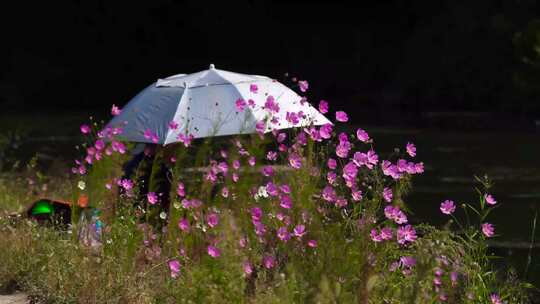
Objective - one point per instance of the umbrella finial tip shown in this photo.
(212, 66)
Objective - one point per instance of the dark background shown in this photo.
(385, 62)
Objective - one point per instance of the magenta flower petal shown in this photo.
(341, 116)
(488, 230)
(489, 199)
(362, 135)
(174, 266)
(152, 198)
(448, 207)
(212, 220)
(213, 251)
(183, 224)
(411, 149)
(304, 85)
(323, 106)
(240, 104)
(85, 129)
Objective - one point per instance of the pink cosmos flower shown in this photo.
(454, 277)
(183, 224)
(283, 234)
(223, 167)
(395, 214)
(281, 137)
(271, 155)
(185, 139)
(407, 261)
(235, 177)
(326, 131)
(212, 220)
(304, 85)
(295, 161)
(406, 234)
(115, 110)
(236, 164)
(272, 189)
(372, 158)
(488, 230)
(173, 125)
(271, 105)
(248, 268)
(260, 228)
(329, 194)
(225, 192)
(118, 147)
(148, 134)
(85, 129)
(100, 144)
(343, 137)
(323, 106)
(82, 170)
(332, 164)
(350, 170)
(342, 149)
(368, 159)
(152, 198)
(356, 195)
(251, 161)
(256, 214)
(267, 171)
(292, 117)
(312, 243)
(213, 251)
(341, 116)
(174, 266)
(386, 233)
(495, 299)
(260, 127)
(242, 242)
(375, 236)
(402, 165)
(341, 202)
(285, 189)
(387, 194)
(127, 184)
(411, 149)
(285, 201)
(240, 104)
(269, 262)
(489, 199)
(253, 88)
(299, 231)
(362, 135)
(301, 139)
(331, 177)
(448, 207)
(181, 190)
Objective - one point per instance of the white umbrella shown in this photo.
(204, 104)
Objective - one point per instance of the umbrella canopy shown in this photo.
(211, 103)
